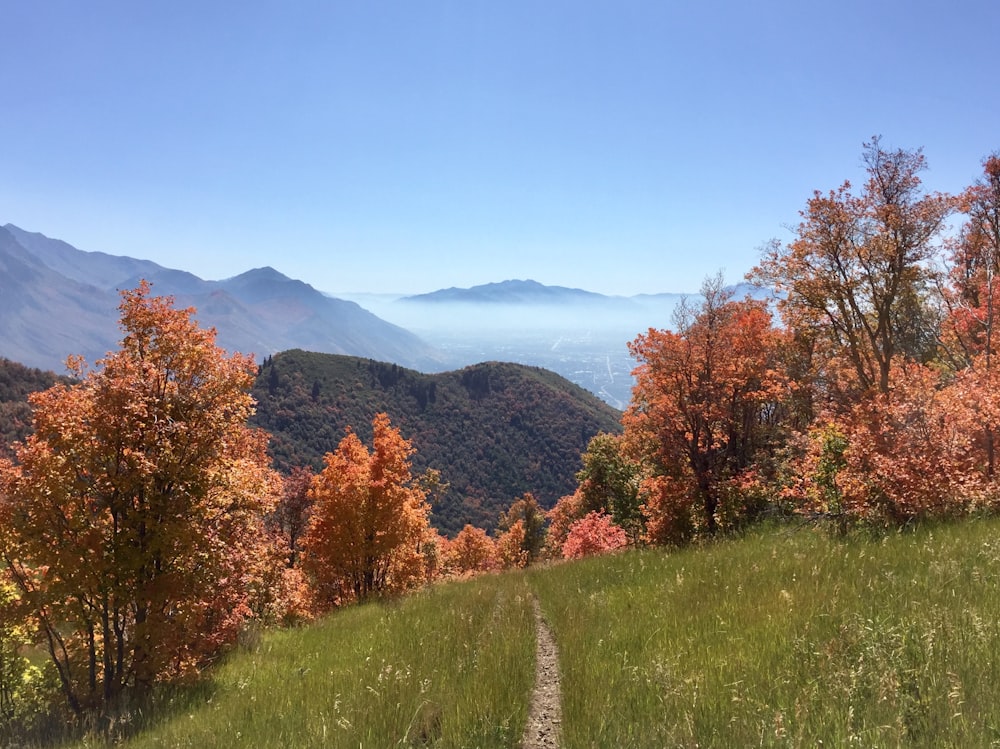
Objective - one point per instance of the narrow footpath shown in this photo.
(544, 727)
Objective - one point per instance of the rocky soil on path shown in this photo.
(544, 727)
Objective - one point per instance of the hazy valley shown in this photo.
(58, 300)
(580, 335)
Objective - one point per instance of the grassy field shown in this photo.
(785, 639)
(452, 666)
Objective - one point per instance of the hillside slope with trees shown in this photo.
(494, 430)
(16, 383)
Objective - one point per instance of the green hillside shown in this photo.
(16, 383)
(494, 430)
(787, 638)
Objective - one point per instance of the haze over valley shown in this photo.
(59, 300)
(581, 335)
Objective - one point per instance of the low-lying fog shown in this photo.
(585, 342)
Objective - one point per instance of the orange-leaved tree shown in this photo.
(522, 532)
(566, 511)
(857, 277)
(369, 519)
(132, 521)
(471, 551)
(705, 406)
(511, 552)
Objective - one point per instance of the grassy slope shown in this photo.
(784, 640)
(451, 665)
(780, 639)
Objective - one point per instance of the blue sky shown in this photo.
(621, 147)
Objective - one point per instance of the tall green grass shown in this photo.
(784, 639)
(452, 666)
(781, 639)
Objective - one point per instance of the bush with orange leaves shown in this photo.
(369, 520)
(511, 553)
(567, 511)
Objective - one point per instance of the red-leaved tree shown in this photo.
(908, 454)
(595, 533)
(705, 407)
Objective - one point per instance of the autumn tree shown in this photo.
(705, 405)
(369, 519)
(974, 264)
(595, 533)
(131, 523)
(856, 280)
(968, 333)
(290, 518)
(433, 550)
(510, 546)
(471, 551)
(524, 520)
(566, 511)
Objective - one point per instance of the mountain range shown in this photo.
(56, 300)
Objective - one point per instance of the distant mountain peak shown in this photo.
(511, 291)
(266, 273)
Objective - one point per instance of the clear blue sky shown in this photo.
(621, 147)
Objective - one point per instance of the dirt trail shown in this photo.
(545, 713)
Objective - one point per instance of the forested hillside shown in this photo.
(16, 382)
(494, 430)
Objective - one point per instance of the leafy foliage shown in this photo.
(511, 553)
(471, 551)
(494, 430)
(595, 533)
(290, 518)
(525, 521)
(368, 519)
(132, 522)
(704, 407)
(857, 277)
(16, 383)
(900, 355)
(971, 296)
